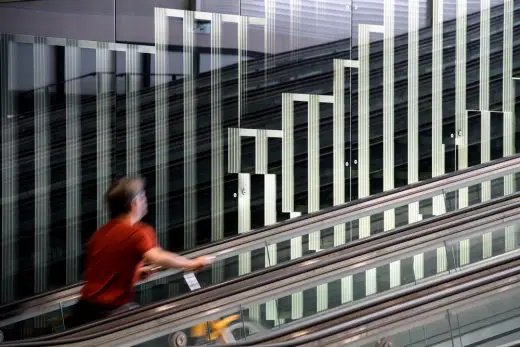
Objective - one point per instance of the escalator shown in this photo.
(228, 251)
(268, 289)
(358, 258)
(46, 313)
(477, 307)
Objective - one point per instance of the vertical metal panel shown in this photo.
(485, 151)
(485, 22)
(313, 171)
(388, 108)
(9, 131)
(287, 153)
(442, 260)
(322, 294)
(296, 252)
(244, 219)
(508, 105)
(461, 115)
(418, 266)
(413, 95)
(133, 146)
(338, 149)
(261, 152)
(364, 124)
(371, 281)
(395, 274)
(104, 114)
(242, 67)
(437, 69)
(161, 126)
(190, 128)
(271, 256)
(347, 289)
(413, 119)
(42, 182)
(217, 148)
(234, 150)
(73, 154)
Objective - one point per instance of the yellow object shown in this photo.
(216, 327)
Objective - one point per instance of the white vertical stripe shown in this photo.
(418, 266)
(9, 216)
(437, 88)
(442, 260)
(270, 215)
(234, 151)
(313, 171)
(41, 163)
(161, 126)
(461, 115)
(339, 144)
(217, 155)
(388, 108)
(364, 124)
(413, 117)
(242, 67)
(104, 104)
(133, 69)
(217, 150)
(244, 218)
(485, 142)
(287, 153)
(464, 252)
(371, 281)
(508, 95)
(347, 289)
(190, 127)
(73, 154)
(261, 152)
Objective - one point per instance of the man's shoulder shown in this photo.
(143, 226)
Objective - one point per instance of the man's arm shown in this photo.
(167, 259)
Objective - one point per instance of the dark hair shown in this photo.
(121, 194)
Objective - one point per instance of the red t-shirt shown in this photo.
(115, 253)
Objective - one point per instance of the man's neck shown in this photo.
(128, 219)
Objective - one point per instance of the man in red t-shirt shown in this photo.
(116, 254)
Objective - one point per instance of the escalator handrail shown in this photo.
(59, 337)
(303, 224)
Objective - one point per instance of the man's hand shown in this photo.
(200, 263)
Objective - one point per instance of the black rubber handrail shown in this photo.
(344, 256)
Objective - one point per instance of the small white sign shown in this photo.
(191, 281)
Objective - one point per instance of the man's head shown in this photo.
(127, 197)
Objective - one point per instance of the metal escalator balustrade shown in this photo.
(363, 291)
(489, 321)
(322, 274)
(361, 208)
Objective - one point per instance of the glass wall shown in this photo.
(240, 114)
